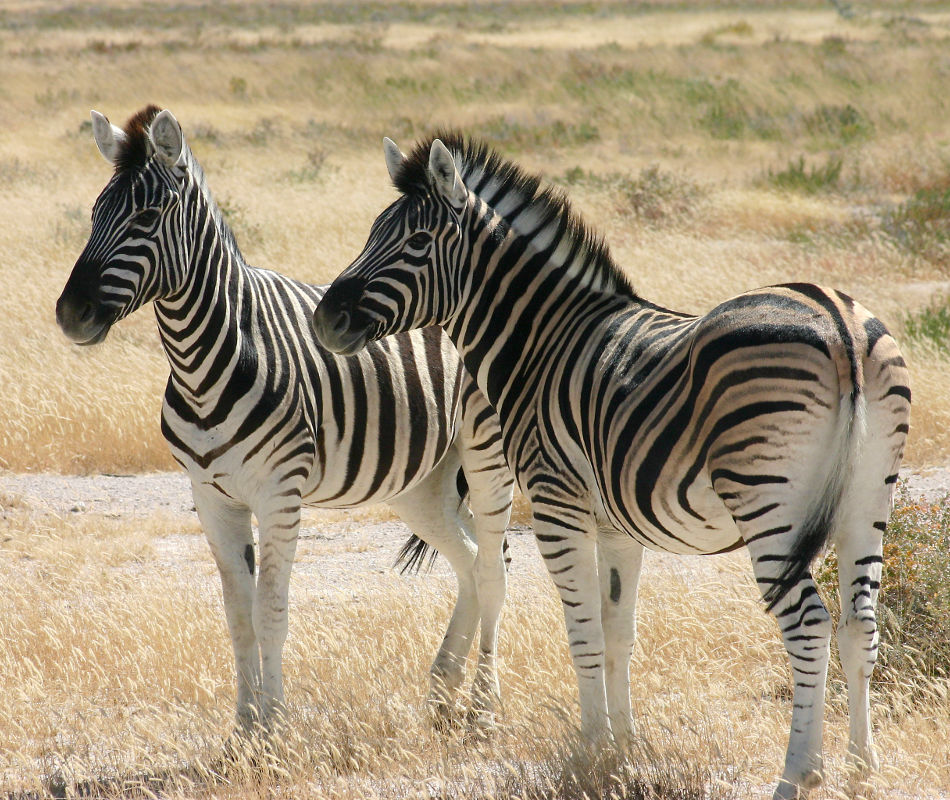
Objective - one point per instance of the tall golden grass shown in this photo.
(117, 673)
(286, 114)
(667, 126)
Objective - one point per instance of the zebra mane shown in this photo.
(135, 151)
(136, 148)
(489, 176)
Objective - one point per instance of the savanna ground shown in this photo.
(716, 148)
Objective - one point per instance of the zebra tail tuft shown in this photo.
(412, 556)
(820, 521)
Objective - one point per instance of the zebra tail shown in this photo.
(413, 554)
(822, 516)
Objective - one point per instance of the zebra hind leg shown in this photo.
(859, 541)
(433, 512)
(771, 524)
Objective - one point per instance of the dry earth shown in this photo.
(342, 558)
(337, 551)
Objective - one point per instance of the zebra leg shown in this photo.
(490, 488)
(279, 523)
(570, 555)
(619, 559)
(859, 578)
(227, 526)
(433, 511)
(859, 543)
(806, 631)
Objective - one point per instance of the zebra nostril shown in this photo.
(86, 312)
(342, 322)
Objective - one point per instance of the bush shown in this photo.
(931, 325)
(914, 602)
(656, 195)
(921, 224)
(810, 180)
(842, 123)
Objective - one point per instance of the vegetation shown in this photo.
(914, 598)
(796, 176)
(118, 679)
(716, 149)
(929, 328)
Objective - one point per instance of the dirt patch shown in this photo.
(337, 553)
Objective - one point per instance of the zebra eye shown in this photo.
(417, 241)
(147, 217)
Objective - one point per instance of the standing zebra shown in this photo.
(776, 421)
(265, 421)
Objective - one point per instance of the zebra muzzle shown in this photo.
(336, 322)
(79, 319)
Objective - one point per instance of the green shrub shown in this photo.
(843, 123)
(922, 223)
(931, 325)
(656, 195)
(510, 133)
(914, 602)
(808, 179)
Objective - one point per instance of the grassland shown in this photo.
(717, 149)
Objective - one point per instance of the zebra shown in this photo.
(265, 421)
(776, 421)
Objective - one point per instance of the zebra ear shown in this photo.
(445, 174)
(394, 157)
(108, 136)
(167, 138)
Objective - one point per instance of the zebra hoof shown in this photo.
(479, 725)
(799, 790)
(445, 717)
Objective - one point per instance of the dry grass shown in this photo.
(665, 126)
(285, 105)
(117, 671)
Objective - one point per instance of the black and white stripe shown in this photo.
(776, 421)
(266, 421)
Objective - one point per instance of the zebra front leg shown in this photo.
(491, 581)
(279, 527)
(619, 559)
(570, 555)
(227, 526)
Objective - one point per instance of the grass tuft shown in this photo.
(798, 177)
(921, 224)
(841, 123)
(930, 326)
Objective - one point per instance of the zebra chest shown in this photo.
(237, 439)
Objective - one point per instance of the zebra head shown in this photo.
(128, 261)
(399, 281)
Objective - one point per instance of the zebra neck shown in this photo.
(523, 302)
(204, 326)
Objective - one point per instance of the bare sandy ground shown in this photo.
(337, 552)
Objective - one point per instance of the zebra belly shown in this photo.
(702, 526)
(709, 529)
